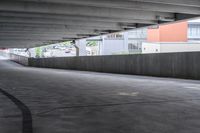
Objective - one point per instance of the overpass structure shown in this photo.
(30, 23)
(59, 101)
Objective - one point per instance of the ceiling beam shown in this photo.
(31, 23)
(34, 7)
(191, 7)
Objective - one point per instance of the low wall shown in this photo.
(19, 59)
(177, 65)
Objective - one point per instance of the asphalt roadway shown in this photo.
(36, 100)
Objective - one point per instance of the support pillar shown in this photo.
(80, 46)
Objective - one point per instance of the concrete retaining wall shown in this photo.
(177, 65)
(19, 59)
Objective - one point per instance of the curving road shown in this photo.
(62, 101)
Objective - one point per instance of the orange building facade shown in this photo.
(176, 32)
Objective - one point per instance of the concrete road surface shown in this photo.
(34, 100)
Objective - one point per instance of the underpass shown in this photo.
(87, 102)
(55, 99)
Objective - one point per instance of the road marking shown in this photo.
(26, 113)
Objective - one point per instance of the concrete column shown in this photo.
(125, 41)
(101, 47)
(81, 47)
(77, 49)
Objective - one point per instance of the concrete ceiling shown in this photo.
(30, 23)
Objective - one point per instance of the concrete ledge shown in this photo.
(177, 65)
